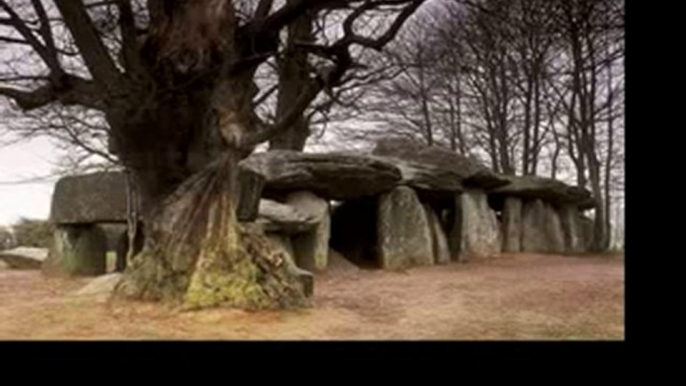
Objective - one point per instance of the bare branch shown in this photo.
(73, 91)
(91, 47)
(47, 55)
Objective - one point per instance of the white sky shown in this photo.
(24, 161)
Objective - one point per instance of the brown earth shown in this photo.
(511, 297)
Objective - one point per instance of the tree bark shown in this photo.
(197, 253)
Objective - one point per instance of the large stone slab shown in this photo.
(101, 197)
(404, 235)
(24, 257)
(547, 189)
(328, 175)
(512, 225)
(442, 168)
(283, 218)
(441, 250)
(89, 198)
(102, 287)
(312, 247)
(77, 250)
(426, 177)
(478, 230)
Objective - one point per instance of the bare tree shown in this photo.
(534, 85)
(592, 32)
(176, 84)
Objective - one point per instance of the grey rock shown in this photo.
(554, 232)
(312, 247)
(102, 286)
(547, 189)
(541, 228)
(24, 257)
(101, 197)
(512, 225)
(3, 265)
(90, 198)
(334, 175)
(534, 238)
(586, 204)
(571, 228)
(403, 230)
(250, 185)
(441, 250)
(479, 231)
(426, 177)
(443, 164)
(283, 218)
(77, 250)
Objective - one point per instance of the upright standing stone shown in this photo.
(455, 232)
(571, 228)
(476, 230)
(250, 185)
(312, 247)
(512, 225)
(533, 226)
(441, 251)
(403, 230)
(553, 227)
(77, 250)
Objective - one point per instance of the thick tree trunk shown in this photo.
(197, 254)
(195, 251)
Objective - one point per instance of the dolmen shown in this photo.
(397, 206)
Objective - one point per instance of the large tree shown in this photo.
(175, 82)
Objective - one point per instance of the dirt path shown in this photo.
(512, 297)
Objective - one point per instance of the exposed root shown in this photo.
(200, 256)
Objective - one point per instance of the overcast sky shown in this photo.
(25, 161)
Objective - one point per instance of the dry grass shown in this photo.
(512, 297)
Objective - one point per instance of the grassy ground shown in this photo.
(511, 297)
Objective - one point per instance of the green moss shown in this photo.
(243, 271)
(197, 252)
(232, 276)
